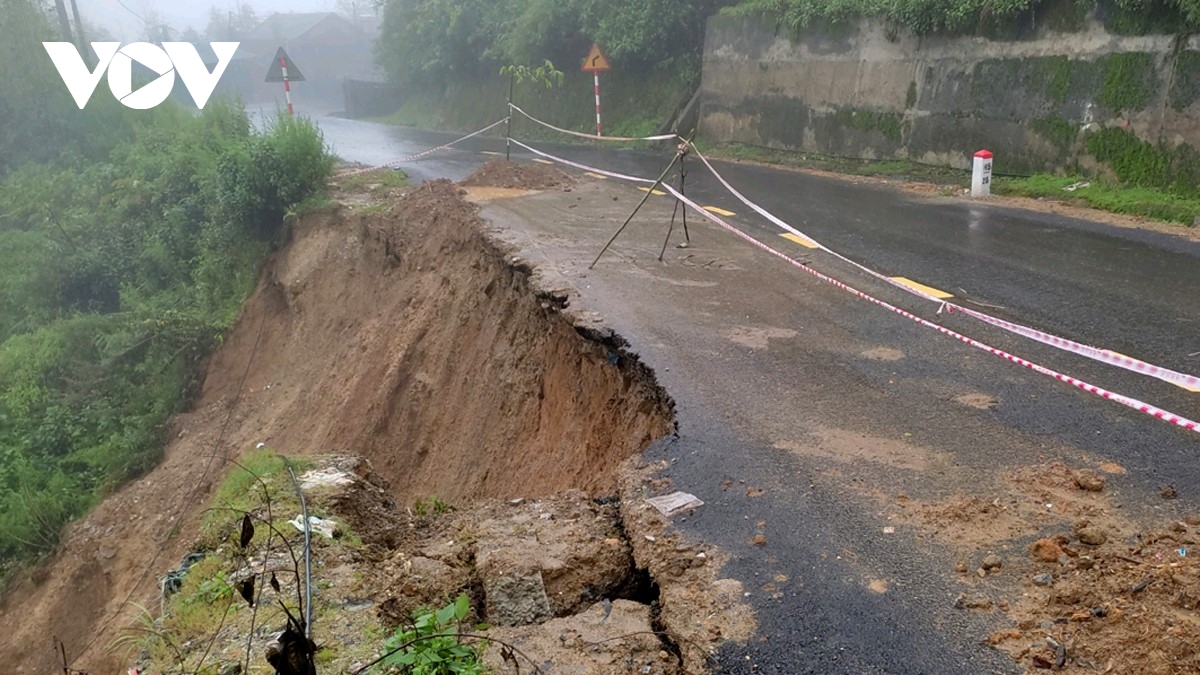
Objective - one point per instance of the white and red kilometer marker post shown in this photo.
(287, 86)
(981, 174)
(596, 63)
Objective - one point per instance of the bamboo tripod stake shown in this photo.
(680, 152)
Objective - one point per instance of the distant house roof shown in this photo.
(293, 26)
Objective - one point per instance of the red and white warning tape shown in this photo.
(1102, 355)
(583, 167)
(579, 134)
(1127, 401)
(425, 153)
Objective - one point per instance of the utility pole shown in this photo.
(64, 22)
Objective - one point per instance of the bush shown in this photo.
(117, 276)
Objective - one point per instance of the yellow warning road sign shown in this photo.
(596, 61)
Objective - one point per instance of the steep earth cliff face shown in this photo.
(399, 332)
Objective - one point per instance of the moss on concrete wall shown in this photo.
(1115, 106)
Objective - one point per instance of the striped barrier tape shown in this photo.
(1106, 356)
(1127, 401)
(583, 167)
(424, 153)
(578, 134)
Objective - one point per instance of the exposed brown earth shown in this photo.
(404, 335)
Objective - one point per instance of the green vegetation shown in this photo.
(1057, 130)
(889, 168)
(1151, 202)
(417, 650)
(128, 240)
(1185, 87)
(434, 507)
(1128, 81)
(447, 53)
(886, 123)
(1138, 201)
(433, 42)
(635, 104)
(956, 16)
(209, 604)
(1138, 163)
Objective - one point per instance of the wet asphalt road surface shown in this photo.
(1133, 291)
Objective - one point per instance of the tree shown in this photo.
(231, 23)
(428, 41)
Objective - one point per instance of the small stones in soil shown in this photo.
(961, 567)
(1092, 535)
(991, 562)
(1091, 481)
(1045, 550)
(1043, 579)
(759, 539)
(1168, 492)
(963, 601)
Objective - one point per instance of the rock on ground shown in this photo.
(599, 641)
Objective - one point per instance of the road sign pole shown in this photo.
(595, 63)
(596, 77)
(287, 87)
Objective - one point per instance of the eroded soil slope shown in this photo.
(403, 335)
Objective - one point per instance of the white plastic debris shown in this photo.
(321, 526)
(260, 446)
(328, 477)
(675, 502)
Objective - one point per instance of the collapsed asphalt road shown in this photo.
(804, 413)
(1134, 291)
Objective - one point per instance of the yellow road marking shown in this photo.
(656, 193)
(594, 175)
(719, 211)
(799, 240)
(928, 290)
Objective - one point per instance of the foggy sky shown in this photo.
(180, 14)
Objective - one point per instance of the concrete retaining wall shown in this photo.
(868, 91)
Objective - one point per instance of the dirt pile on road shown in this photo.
(402, 334)
(1112, 605)
(512, 175)
(1085, 589)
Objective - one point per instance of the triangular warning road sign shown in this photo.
(275, 74)
(596, 61)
